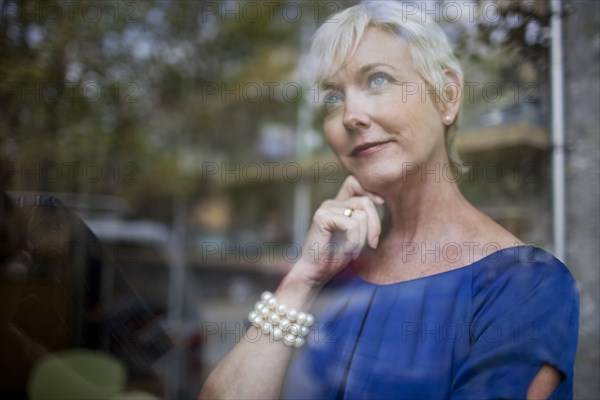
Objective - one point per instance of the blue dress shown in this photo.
(477, 332)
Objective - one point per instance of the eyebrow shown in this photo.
(362, 70)
(368, 67)
(329, 86)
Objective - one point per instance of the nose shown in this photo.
(356, 115)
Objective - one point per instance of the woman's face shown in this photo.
(381, 119)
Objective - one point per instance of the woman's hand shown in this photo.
(332, 241)
(335, 239)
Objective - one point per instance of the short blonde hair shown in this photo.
(338, 37)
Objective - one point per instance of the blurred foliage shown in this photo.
(115, 83)
(509, 46)
(131, 97)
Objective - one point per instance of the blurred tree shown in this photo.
(109, 95)
(130, 98)
(508, 45)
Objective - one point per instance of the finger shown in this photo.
(351, 188)
(358, 214)
(361, 218)
(355, 237)
(331, 220)
(372, 221)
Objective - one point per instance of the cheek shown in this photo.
(334, 133)
(415, 118)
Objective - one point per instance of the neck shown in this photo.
(424, 206)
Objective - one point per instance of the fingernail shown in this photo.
(376, 241)
(379, 199)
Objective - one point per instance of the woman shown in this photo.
(443, 302)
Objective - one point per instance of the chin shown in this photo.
(379, 181)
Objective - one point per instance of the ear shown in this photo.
(453, 89)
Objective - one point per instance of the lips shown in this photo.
(366, 149)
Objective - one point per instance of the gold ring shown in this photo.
(348, 212)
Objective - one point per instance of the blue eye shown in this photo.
(379, 79)
(331, 99)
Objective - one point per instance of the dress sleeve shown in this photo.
(525, 313)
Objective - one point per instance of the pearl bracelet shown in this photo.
(281, 322)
